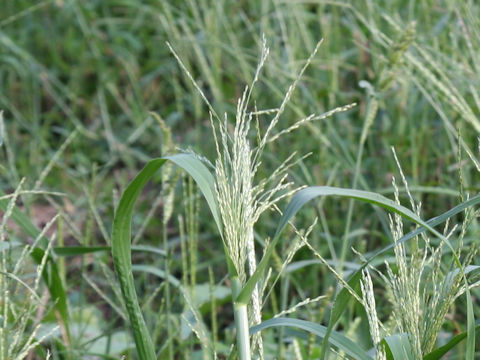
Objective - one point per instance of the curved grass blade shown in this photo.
(398, 347)
(204, 179)
(432, 222)
(470, 351)
(337, 339)
(442, 350)
(121, 250)
(121, 237)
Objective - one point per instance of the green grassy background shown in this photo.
(78, 83)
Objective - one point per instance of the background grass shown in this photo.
(78, 83)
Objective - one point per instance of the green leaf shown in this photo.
(147, 248)
(398, 347)
(432, 222)
(121, 237)
(204, 179)
(442, 350)
(206, 182)
(121, 250)
(337, 339)
(451, 275)
(308, 194)
(81, 250)
(78, 250)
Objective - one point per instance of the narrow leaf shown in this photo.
(81, 250)
(442, 350)
(121, 250)
(121, 237)
(398, 347)
(204, 179)
(78, 250)
(337, 339)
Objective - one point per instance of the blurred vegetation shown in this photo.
(80, 81)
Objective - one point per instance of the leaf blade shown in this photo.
(121, 236)
(337, 339)
(121, 251)
(442, 350)
(398, 347)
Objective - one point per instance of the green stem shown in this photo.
(241, 322)
(243, 336)
(168, 305)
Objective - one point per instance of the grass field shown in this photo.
(309, 184)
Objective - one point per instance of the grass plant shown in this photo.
(90, 93)
(23, 306)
